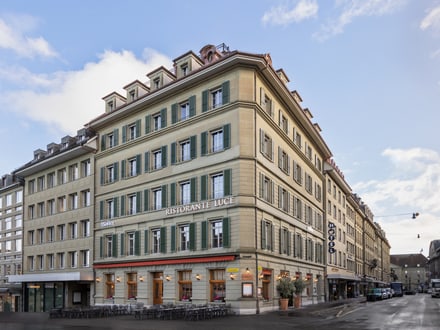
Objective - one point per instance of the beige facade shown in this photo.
(209, 187)
(58, 225)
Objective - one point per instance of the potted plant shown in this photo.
(299, 285)
(285, 288)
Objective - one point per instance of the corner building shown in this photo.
(208, 186)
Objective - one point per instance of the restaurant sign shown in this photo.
(200, 206)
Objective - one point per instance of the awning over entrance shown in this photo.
(52, 277)
(343, 277)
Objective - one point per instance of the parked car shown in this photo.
(387, 293)
(374, 294)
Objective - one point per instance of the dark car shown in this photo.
(374, 294)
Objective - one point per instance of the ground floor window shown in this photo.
(217, 285)
(185, 285)
(266, 280)
(131, 285)
(109, 286)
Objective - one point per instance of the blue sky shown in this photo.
(369, 71)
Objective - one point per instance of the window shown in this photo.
(283, 122)
(73, 230)
(110, 208)
(110, 140)
(85, 258)
(156, 240)
(132, 204)
(31, 211)
(73, 172)
(184, 237)
(215, 97)
(131, 131)
(31, 263)
(51, 207)
(85, 198)
(215, 140)
(266, 235)
(73, 200)
(61, 260)
(40, 182)
(62, 176)
(40, 209)
(283, 199)
(266, 145)
(283, 161)
(131, 285)
(50, 261)
(31, 237)
(156, 159)
(216, 234)
(184, 69)
(309, 215)
(298, 247)
(158, 120)
(110, 173)
(185, 285)
(297, 208)
(184, 150)
(217, 185)
(110, 246)
(183, 111)
(297, 139)
(85, 228)
(86, 168)
(51, 180)
(50, 234)
(133, 165)
(284, 241)
(217, 285)
(266, 188)
(185, 192)
(18, 197)
(308, 151)
(309, 183)
(157, 199)
(297, 172)
(318, 191)
(40, 236)
(40, 261)
(62, 204)
(73, 256)
(31, 186)
(61, 232)
(131, 243)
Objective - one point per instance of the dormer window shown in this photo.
(110, 105)
(184, 69)
(132, 95)
(156, 83)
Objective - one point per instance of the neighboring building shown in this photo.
(209, 186)
(58, 225)
(411, 270)
(11, 235)
(383, 256)
(434, 259)
(341, 257)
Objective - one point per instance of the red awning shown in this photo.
(165, 262)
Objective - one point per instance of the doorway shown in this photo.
(157, 288)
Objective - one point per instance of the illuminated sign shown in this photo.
(181, 209)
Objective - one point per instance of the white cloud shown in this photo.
(431, 20)
(413, 186)
(283, 15)
(13, 36)
(65, 101)
(352, 9)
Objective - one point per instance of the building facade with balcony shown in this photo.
(58, 225)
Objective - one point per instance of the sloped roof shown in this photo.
(412, 260)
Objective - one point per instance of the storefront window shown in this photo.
(109, 285)
(217, 285)
(266, 278)
(132, 285)
(185, 285)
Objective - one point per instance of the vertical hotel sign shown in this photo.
(331, 237)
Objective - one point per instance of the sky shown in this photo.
(368, 70)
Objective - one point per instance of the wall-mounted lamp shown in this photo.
(198, 277)
(168, 278)
(247, 270)
(98, 279)
(118, 279)
(232, 276)
(141, 278)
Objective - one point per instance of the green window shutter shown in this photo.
(114, 245)
(193, 190)
(192, 236)
(163, 117)
(123, 205)
(173, 238)
(225, 92)
(101, 210)
(173, 194)
(193, 146)
(164, 156)
(116, 136)
(263, 235)
(288, 243)
(173, 153)
(115, 207)
(116, 166)
(204, 187)
(147, 124)
(227, 136)
(147, 162)
(102, 179)
(226, 233)
(280, 246)
(163, 239)
(203, 142)
(205, 100)
(103, 138)
(146, 199)
(138, 164)
(138, 128)
(123, 167)
(122, 245)
(204, 235)
(101, 247)
(164, 196)
(138, 202)
(124, 133)
(146, 241)
(272, 230)
(227, 182)
(137, 243)
(174, 113)
(192, 106)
